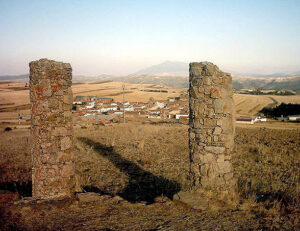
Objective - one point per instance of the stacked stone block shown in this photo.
(53, 170)
(211, 127)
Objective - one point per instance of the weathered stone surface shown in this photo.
(215, 93)
(221, 158)
(53, 171)
(211, 132)
(207, 158)
(218, 105)
(214, 149)
(66, 143)
(217, 131)
(224, 167)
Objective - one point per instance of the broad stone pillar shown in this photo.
(211, 127)
(53, 171)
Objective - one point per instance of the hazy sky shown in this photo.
(121, 37)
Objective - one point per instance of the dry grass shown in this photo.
(15, 157)
(161, 151)
(266, 164)
(144, 159)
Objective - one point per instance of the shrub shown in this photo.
(7, 129)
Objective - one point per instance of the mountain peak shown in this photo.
(166, 68)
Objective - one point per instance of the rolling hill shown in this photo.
(175, 74)
(167, 68)
(284, 83)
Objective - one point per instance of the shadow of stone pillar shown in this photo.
(211, 128)
(53, 170)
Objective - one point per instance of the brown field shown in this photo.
(138, 167)
(133, 92)
(14, 98)
(250, 105)
(9, 94)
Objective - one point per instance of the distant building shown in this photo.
(92, 98)
(171, 99)
(294, 117)
(153, 117)
(107, 109)
(245, 120)
(139, 106)
(160, 105)
(105, 100)
(91, 105)
(130, 108)
(260, 119)
(178, 116)
(79, 100)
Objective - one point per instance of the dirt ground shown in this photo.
(133, 171)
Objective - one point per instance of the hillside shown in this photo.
(286, 83)
(167, 68)
(14, 78)
(171, 81)
(175, 74)
(283, 83)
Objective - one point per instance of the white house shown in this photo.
(160, 105)
(178, 116)
(294, 117)
(130, 108)
(260, 119)
(153, 117)
(90, 105)
(107, 109)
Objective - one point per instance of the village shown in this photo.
(104, 110)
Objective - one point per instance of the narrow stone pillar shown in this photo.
(53, 170)
(211, 127)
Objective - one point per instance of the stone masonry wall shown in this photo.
(211, 127)
(53, 170)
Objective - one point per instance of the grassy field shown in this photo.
(138, 167)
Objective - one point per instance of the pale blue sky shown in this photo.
(120, 37)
